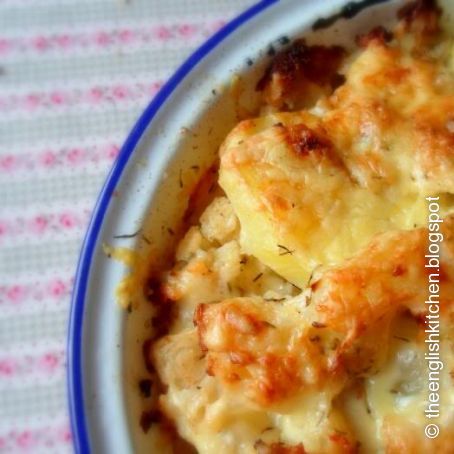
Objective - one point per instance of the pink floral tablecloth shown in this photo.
(74, 76)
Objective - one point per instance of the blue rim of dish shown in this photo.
(75, 330)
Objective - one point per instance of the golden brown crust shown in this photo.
(304, 141)
(344, 298)
(382, 139)
(420, 21)
(244, 346)
(273, 352)
(288, 76)
(270, 347)
(378, 35)
(425, 12)
(344, 443)
(278, 448)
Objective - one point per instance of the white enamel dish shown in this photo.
(181, 128)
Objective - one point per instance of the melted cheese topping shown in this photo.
(300, 371)
(331, 200)
(323, 185)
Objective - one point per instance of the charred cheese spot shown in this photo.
(305, 141)
(378, 35)
(420, 17)
(297, 71)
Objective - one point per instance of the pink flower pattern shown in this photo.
(58, 158)
(44, 439)
(44, 223)
(80, 97)
(52, 289)
(39, 365)
(33, 364)
(107, 38)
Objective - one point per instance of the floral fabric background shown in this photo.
(74, 76)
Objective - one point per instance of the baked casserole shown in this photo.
(294, 316)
